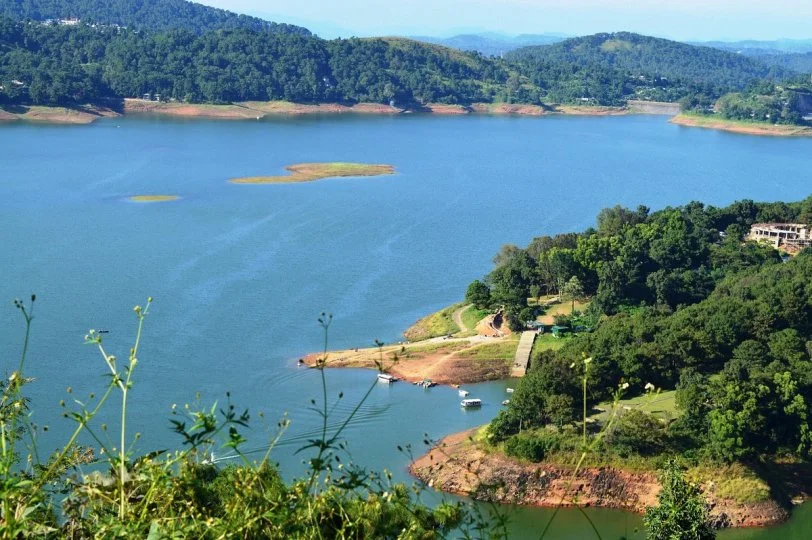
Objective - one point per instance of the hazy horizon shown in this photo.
(690, 20)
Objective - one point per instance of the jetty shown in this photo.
(522, 358)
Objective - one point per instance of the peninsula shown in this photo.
(666, 365)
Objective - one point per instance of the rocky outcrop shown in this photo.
(459, 465)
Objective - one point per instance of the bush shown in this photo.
(560, 409)
(503, 426)
(532, 446)
(526, 446)
(637, 433)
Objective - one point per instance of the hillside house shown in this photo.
(788, 236)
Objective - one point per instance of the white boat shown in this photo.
(464, 393)
(387, 378)
(506, 402)
(471, 403)
(509, 390)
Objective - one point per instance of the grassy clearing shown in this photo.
(437, 324)
(502, 350)
(472, 316)
(153, 198)
(433, 348)
(547, 342)
(308, 172)
(562, 308)
(661, 404)
(735, 482)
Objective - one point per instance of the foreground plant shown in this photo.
(682, 512)
(107, 492)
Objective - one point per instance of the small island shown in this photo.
(308, 172)
(152, 198)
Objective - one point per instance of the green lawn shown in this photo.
(660, 404)
(472, 316)
(434, 325)
(501, 350)
(548, 342)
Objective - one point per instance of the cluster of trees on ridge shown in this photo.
(77, 64)
(678, 306)
(611, 68)
(154, 15)
(193, 53)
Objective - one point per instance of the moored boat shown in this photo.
(387, 378)
(471, 403)
(463, 393)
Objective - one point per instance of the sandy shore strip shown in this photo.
(744, 128)
(257, 110)
(451, 361)
(57, 115)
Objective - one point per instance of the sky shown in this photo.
(685, 20)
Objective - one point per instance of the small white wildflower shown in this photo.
(624, 386)
(572, 365)
(649, 387)
(587, 360)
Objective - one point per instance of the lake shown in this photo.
(240, 273)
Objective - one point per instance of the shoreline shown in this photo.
(460, 466)
(257, 110)
(444, 361)
(743, 128)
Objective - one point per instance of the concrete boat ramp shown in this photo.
(522, 359)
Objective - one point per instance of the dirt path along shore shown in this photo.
(457, 318)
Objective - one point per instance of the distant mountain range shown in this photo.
(493, 44)
(779, 45)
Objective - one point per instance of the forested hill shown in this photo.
(64, 65)
(154, 15)
(648, 56)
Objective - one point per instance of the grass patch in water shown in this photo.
(153, 198)
(308, 172)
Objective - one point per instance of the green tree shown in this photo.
(478, 294)
(572, 290)
(682, 513)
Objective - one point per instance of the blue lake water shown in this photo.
(240, 273)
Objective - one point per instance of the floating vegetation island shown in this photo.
(153, 198)
(308, 172)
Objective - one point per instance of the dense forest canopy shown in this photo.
(155, 15)
(70, 64)
(640, 55)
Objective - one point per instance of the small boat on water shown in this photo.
(463, 393)
(386, 378)
(506, 402)
(471, 403)
(509, 390)
(426, 383)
